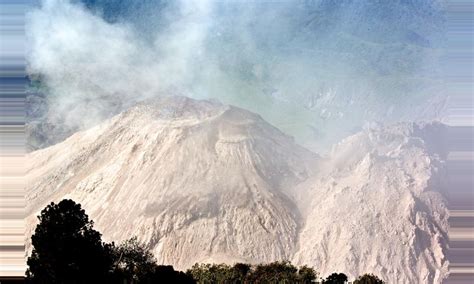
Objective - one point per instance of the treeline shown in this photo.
(66, 249)
(275, 272)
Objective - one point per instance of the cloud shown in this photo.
(302, 65)
(90, 65)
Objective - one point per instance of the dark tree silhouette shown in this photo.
(306, 274)
(368, 279)
(66, 249)
(240, 272)
(336, 278)
(166, 274)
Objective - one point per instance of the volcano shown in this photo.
(199, 181)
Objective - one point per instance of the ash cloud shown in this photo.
(316, 69)
(90, 66)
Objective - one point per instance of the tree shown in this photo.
(368, 279)
(306, 274)
(336, 278)
(207, 273)
(240, 272)
(134, 263)
(219, 273)
(66, 248)
(275, 272)
(166, 274)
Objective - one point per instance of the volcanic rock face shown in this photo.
(377, 207)
(198, 181)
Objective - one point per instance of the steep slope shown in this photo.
(198, 181)
(195, 180)
(377, 206)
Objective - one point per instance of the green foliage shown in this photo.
(212, 273)
(275, 272)
(306, 274)
(336, 278)
(240, 272)
(368, 279)
(133, 262)
(66, 249)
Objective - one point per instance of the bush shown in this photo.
(306, 274)
(133, 263)
(275, 272)
(368, 279)
(167, 274)
(212, 273)
(336, 278)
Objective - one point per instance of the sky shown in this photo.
(317, 69)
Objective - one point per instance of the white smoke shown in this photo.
(90, 65)
(303, 67)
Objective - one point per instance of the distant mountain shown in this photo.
(199, 181)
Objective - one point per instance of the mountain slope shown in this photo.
(198, 181)
(195, 180)
(382, 190)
